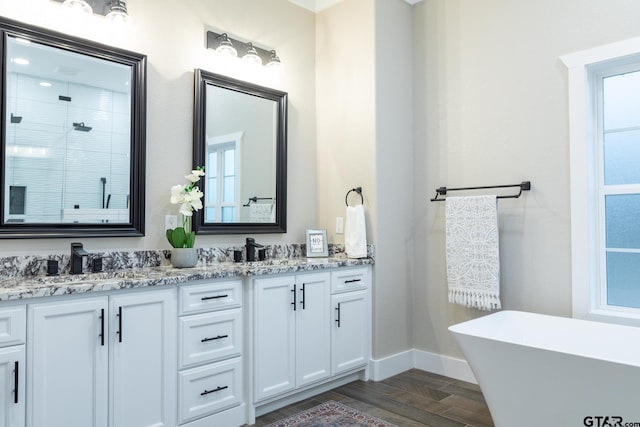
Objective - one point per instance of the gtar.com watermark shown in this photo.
(608, 421)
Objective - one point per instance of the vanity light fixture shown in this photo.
(222, 43)
(78, 5)
(113, 10)
(117, 11)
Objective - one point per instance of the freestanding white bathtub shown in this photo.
(538, 370)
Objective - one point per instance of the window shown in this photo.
(604, 98)
(618, 135)
(222, 186)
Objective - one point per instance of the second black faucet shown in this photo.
(77, 254)
(250, 248)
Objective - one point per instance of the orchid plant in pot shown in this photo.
(183, 238)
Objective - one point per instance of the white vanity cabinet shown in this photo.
(206, 352)
(103, 361)
(210, 354)
(292, 330)
(350, 334)
(12, 366)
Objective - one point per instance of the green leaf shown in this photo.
(177, 237)
(191, 239)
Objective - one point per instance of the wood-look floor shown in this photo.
(412, 399)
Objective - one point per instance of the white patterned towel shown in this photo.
(473, 258)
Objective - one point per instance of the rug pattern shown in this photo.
(331, 414)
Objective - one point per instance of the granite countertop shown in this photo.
(17, 288)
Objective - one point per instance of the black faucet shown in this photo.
(77, 254)
(251, 246)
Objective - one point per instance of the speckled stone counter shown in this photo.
(21, 286)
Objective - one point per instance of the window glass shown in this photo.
(230, 162)
(622, 106)
(228, 214)
(210, 214)
(622, 157)
(229, 189)
(622, 217)
(212, 191)
(623, 286)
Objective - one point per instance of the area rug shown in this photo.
(331, 414)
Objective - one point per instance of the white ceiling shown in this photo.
(318, 5)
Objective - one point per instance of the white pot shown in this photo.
(184, 257)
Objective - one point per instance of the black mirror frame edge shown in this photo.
(204, 78)
(138, 63)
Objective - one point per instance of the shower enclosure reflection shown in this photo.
(72, 136)
(68, 153)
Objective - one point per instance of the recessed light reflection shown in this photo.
(45, 84)
(22, 151)
(20, 61)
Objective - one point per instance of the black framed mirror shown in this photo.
(73, 123)
(240, 137)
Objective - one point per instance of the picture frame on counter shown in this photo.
(317, 246)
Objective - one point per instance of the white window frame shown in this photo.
(234, 139)
(586, 235)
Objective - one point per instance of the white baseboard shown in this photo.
(392, 365)
(443, 365)
(431, 362)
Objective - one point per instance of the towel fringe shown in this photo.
(475, 299)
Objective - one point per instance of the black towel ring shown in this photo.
(357, 190)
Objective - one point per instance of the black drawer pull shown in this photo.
(16, 381)
(352, 280)
(213, 391)
(294, 297)
(119, 331)
(213, 297)
(219, 337)
(304, 297)
(338, 315)
(102, 327)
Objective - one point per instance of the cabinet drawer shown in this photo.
(209, 337)
(13, 325)
(210, 296)
(345, 280)
(209, 389)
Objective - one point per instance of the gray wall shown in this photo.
(364, 80)
(491, 108)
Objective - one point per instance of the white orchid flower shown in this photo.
(177, 194)
(196, 202)
(189, 197)
(185, 209)
(195, 175)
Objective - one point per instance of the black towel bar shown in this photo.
(524, 186)
(357, 190)
(255, 199)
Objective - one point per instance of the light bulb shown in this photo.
(118, 12)
(251, 56)
(78, 6)
(226, 47)
(274, 61)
